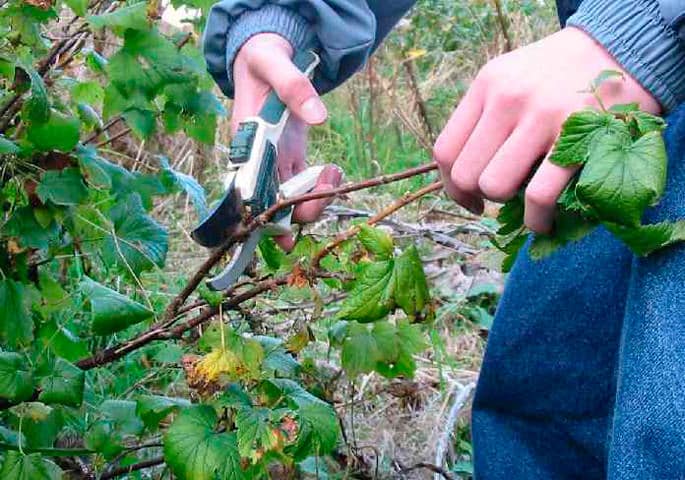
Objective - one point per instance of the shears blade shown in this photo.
(222, 219)
(242, 256)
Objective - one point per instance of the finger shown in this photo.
(292, 86)
(451, 140)
(292, 149)
(491, 132)
(306, 212)
(542, 194)
(286, 242)
(510, 167)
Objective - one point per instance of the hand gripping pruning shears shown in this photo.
(252, 184)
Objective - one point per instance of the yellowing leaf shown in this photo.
(415, 53)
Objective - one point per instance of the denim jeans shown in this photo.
(584, 371)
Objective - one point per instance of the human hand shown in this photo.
(511, 116)
(264, 64)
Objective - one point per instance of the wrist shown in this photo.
(628, 90)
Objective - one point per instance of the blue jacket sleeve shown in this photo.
(345, 32)
(647, 37)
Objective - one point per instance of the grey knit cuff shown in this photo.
(638, 37)
(268, 19)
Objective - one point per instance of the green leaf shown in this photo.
(111, 311)
(101, 173)
(645, 239)
(647, 122)
(132, 16)
(255, 431)
(64, 385)
(23, 225)
(16, 379)
(141, 121)
(510, 216)
(152, 409)
(568, 227)
(622, 177)
(194, 450)
(122, 414)
(178, 181)
(61, 341)
(411, 286)
(102, 437)
(359, 350)
(79, 7)
(270, 253)
(146, 65)
(16, 324)
(7, 147)
(376, 241)
(319, 429)
(605, 75)
(62, 187)
(371, 297)
(88, 116)
(579, 132)
(138, 241)
(96, 62)
(386, 348)
(60, 132)
(89, 92)
(276, 358)
(41, 425)
(37, 106)
(18, 466)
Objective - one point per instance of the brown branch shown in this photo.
(427, 466)
(334, 192)
(504, 25)
(117, 136)
(418, 98)
(162, 329)
(153, 462)
(386, 212)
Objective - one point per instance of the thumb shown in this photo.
(291, 85)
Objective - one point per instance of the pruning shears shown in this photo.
(252, 184)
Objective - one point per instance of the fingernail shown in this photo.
(313, 111)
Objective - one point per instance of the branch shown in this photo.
(264, 218)
(386, 212)
(439, 471)
(153, 462)
(50, 452)
(501, 18)
(162, 329)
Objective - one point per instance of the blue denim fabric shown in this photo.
(584, 371)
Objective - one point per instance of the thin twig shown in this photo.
(504, 25)
(153, 462)
(461, 395)
(162, 329)
(386, 212)
(439, 471)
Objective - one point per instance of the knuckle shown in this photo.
(465, 183)
(496, 190)
(296, 89)
(509, 99)
(540, 197)
(441, 153)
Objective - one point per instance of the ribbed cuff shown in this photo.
(635, 33)
(268, 19)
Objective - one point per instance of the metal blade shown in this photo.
(221, 221)
(241, 259)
